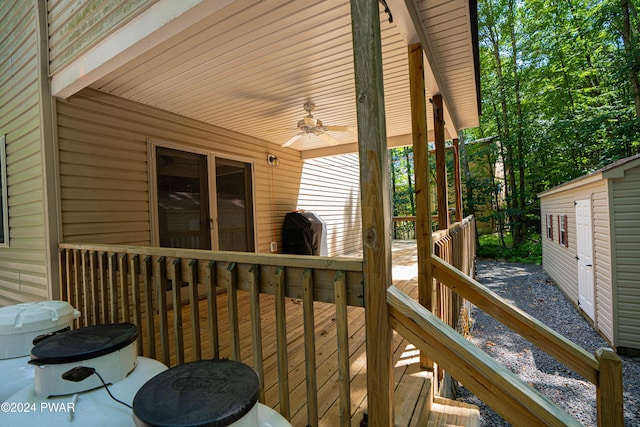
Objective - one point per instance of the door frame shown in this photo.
(211, 155)
(590, 294)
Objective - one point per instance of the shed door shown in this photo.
(586, 294)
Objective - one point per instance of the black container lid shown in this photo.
(84, 343)
(208, 393)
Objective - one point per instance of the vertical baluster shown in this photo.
(102, 268)
(310, 347)
(77, 284)
(124, 288)
(281, 337)
(195, 309)
(95, 295)
(340, 287)
(113, 287)
(212, 301)
(177, 311)
(256, 327)
(86, 290)
(135, 293)
(161, 287)
(62, 258)
(232, 295)
(212, 305)
(148, 295)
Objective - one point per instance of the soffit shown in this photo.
(252, 65)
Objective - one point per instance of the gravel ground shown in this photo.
(528, 287)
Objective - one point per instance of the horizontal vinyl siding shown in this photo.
(601, 219)
(23, 273)
(330, 187)
(103, 168)
(77, 25)
(626, 205)
(560, 263)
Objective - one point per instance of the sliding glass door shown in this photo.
(186, 185)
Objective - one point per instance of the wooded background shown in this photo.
(560, 98)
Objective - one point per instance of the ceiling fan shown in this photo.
(310, 126)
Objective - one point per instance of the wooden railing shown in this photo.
(119, 283)
(144, 285)
(500, 389)
(404, 227)
(456, 247)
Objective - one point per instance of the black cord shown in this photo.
(107, 388)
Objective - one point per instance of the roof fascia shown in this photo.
(579, 182)
(155, 25)
(407, 18)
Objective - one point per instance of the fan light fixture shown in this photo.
(310, 126)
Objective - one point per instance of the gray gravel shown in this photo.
(528, 287)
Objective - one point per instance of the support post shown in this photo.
(372, 147)
(441, 162)
(456, 177)
(609, 398)
(419, 131)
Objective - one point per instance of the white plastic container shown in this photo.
(109, 350)
(93, 408)
(19, 325)
(216, 392)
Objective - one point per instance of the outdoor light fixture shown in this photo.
(273, 160)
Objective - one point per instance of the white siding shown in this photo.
(626, 220)
(559, 261)
(76, 25)
(330, 187)
(23, 271)
(104, 173)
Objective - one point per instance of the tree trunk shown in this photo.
(505, 138)
(412, 202)
(520, 227)
(630, 48)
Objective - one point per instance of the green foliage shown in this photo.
(530, 252)
(559, 94)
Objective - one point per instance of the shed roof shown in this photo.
(612, 170)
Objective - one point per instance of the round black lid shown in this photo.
(208, 393)
(84, 343)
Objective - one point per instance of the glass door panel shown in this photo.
(183, 199)
(234, 195)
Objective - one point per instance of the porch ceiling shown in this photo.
(250, 67)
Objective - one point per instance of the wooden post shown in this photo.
(441, 162)
(372, 148)
(609, 399)
(419, 133)
(456, 177)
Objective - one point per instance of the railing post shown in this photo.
(372, 149)
(419, 131)
(609, 389)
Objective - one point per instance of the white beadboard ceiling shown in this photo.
(252, 65)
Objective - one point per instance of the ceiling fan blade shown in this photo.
(338, 128)
(327, 138)
(294, 139)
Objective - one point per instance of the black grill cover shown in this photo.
(301, 233)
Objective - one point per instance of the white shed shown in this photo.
(591, 248)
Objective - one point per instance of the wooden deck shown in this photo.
(411, 386)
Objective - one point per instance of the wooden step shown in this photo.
(452, 413)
